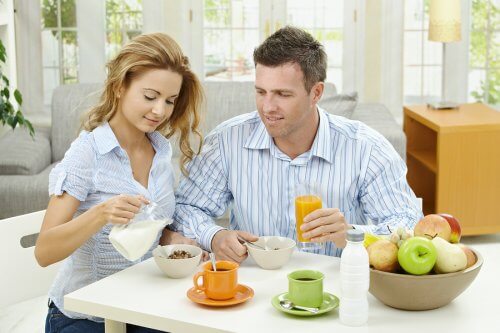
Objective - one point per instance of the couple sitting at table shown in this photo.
(122, 160)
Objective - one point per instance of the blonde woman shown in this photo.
(120, 161)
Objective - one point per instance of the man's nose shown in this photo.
(269, 104)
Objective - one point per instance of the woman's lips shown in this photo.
(152, 121)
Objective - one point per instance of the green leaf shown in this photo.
(6, 80)
(6, 93)
(18, 97)
(20, 117)
(12, 121)
(30, 128)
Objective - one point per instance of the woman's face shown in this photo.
(149, 100)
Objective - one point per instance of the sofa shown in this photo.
(25, 163)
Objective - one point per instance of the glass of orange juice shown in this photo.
(307, 200)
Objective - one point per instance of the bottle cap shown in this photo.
(355, 235)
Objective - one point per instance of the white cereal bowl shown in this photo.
(276, 254)
(177, 268)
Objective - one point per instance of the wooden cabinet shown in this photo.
(453, 159)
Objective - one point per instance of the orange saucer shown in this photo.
(243, 293)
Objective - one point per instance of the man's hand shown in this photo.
(171, 237)
(326, 224)
(226, 245)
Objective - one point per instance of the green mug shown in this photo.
(305, 288)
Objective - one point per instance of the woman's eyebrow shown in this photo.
(156, 91)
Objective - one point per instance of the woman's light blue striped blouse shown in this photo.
(94, 169)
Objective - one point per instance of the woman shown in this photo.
(121, 161)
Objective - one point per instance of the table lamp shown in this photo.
(444, 27)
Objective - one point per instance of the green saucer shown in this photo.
(330, 302)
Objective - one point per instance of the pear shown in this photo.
(450, 257)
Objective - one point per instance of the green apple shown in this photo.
(417, 255)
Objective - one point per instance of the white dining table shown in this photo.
(143, 295)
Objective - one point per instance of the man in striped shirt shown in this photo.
(253, 161)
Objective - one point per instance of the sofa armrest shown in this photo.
(378, 117)
(22, 155)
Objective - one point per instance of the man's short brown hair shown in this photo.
(294, 45)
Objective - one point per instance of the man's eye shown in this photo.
(285, 95)
(260, 92)
(149, 98)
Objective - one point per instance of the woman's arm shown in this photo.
(61, 235)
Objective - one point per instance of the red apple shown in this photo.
(456, 231)
(433, 225)
(383, 255)
(471, 257)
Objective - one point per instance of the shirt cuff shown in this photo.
(365, 228)
(207, 235)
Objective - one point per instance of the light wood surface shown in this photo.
(453, 159)
(468, 117)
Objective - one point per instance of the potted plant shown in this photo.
(8, 114)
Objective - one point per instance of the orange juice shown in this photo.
(304, 205)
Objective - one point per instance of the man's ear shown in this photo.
(317, 92)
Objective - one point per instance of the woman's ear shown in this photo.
(120, 92)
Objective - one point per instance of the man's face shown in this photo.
(285, 107)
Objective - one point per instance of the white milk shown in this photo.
(134, 239)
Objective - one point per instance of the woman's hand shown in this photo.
(120, 209)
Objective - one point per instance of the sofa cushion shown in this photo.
(378, 117)
(24, 155)
(341, 104)
(69, 103)
(24, 317)
(24, 194)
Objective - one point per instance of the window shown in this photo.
(230, 31)
(484, 52)
(233, 28)
(325, 21)
(422, 59)
(59, 44)
(123, 22)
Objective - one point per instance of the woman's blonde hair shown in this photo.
(143, 53)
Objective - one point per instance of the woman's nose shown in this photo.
(159, 109)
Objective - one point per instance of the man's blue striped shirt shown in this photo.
(240, 167)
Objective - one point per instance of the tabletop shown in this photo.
(142, 295)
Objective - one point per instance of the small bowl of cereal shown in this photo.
(177, 260)
(271, 252)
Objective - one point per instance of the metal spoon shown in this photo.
(286, 304)
(212, 259)
(243, 241)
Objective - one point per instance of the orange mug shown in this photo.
(218, 285)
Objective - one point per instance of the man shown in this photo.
(253, 162)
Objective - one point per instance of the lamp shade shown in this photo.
(444, 21)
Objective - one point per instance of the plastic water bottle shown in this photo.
(354, 280)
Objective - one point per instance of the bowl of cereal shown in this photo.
(271, 252)
(177, 260)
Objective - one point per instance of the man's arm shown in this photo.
(386, 197)
(203, 194)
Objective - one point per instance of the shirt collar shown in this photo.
(106, 140)
(321, 147)
(259, 138)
